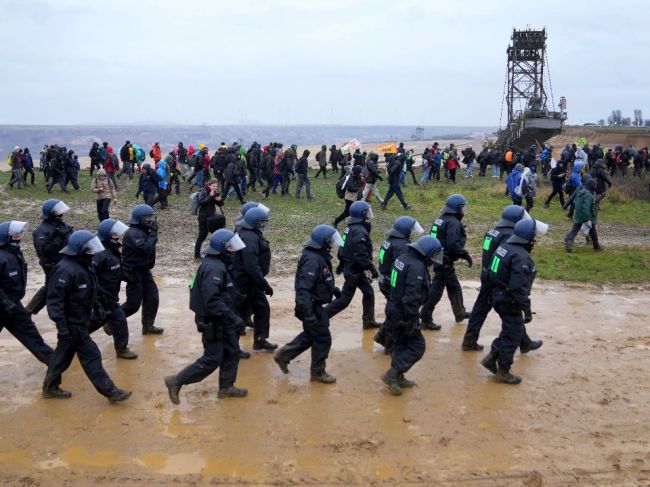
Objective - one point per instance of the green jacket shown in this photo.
(584, 207)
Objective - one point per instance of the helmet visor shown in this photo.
(336, 239)
(417, 228)
(93, 246)
(526, 216)
(148, 220)
(369, 214)
(540, 228)
(60, 208)
(16, 228)
(118, 229)
(235, 244)
(263, 207)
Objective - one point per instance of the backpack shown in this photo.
(194, 203)
(340, 186)
(151, 153)
(10, 160)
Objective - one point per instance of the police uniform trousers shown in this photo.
(318, 337)
(21, 326)
(220, 350)
(408, 346)
(512, 333)
(350, 285)
(257, 304)
(78, 342)
(384, 335)
(480, 310)
(117, 325)
(38, 300)
(141, 289)
(444, 277)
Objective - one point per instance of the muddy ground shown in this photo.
(579, 418)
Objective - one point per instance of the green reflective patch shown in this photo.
(486, 243)
(382, 252)
(192, 281)
(393, 278)
(496, 260)
(434, 231)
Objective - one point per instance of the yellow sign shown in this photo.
(388, 148)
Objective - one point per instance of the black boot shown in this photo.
(430, 325)
(533, 345)
(125, 353)
(243, 354)
(464, 316)
(506, 377)
(322, 376)
(370, 324)
(470, 345)
(390, 378)
(55, 392)
(283, 364)
(173, 387)
(490, 361)
(404, 383)
(150, 329)
(263, 345)
(380, 337)
(118, 395)
(232, 391)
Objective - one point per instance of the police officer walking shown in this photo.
(511, 277)
(108, 269)
(355, 260)
(71, 299)
(13, 281)
(138, 258)
(212, 297)
(396, 243)
(314, 286)
(49, 238)
(482, 306)
(449, 230)
(251, 265)
(409, 283)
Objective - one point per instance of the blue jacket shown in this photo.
(575, 175)
(512, 181)
(162, 172)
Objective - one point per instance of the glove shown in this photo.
(337, 292)
(528, 316)
(470, 261)
(64, 332)
(201, 325)
(374, 273)
(268, 290)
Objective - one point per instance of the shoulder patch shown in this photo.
(399, 265)
(501, 251)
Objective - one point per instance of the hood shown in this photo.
(578, 167)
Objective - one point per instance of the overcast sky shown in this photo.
(396, 62)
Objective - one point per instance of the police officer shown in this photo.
(449, 230)
(511, 277)
(13, 281)
(397, 239)
(71, 299)
(49, 238)
(493, 239)
(355, 260)
(251, 265)
(245, 207)
(107, 266)
(212, 297)
(138, 258)
(314, 286)
(409, 283)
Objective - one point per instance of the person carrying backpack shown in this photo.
(513, 185)
(352, 185)
(321, 158)
(148, 184)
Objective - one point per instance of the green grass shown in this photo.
(624, 227)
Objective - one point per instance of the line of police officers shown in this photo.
(84, 273)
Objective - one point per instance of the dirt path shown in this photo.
(579, 418)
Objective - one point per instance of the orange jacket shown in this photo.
(157, 154)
